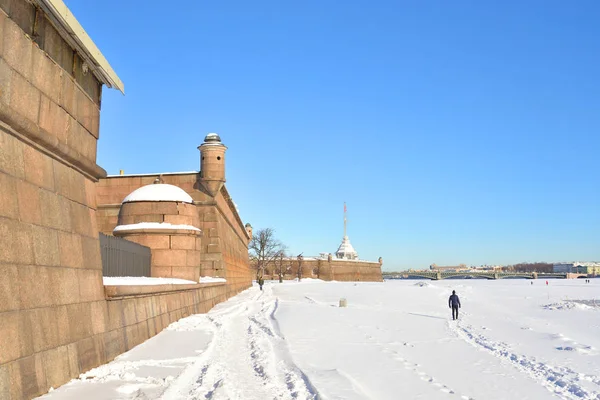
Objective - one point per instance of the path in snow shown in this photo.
(247, 358)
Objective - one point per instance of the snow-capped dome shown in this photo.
(346, 250)
(159, 192)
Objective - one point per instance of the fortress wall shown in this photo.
(345, 270)
(336, 270)
(50, 268)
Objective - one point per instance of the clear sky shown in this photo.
(456, 131)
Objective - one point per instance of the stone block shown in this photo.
(28, 195)
(88, 354)
(11, 150)
(4, 369)
(77, 189)
(161, 272)
(116, 319)
(44, 328)
(45, 246)
(56, 366)
(169, 258)
(154, 241)
(54, 121)
(147, 218)
(189, 273)
(131, 336)
(163, 208)
(87, 112)
(114, 343)
(46, 75)
(9, 336)
(211, 257)
(90, 193)
(141, 208)
(6, 75)
(183, 242)
(24, 98)
(129, 313)
(33, 377)
(64, 286)
(17, 49)
(2, 23)
(210, 216)
(99, 312)
(16, 244)
(70, 250)
(33, 286)
(189, 210)
(80, 318)
(91, 251)
(213, 248)
(193, 258)
(67, 94)
(178, 219)
(10, 297)
(81, 219)
(8, 197)
(38, 168)
(88, 147)
(62, 179)
(73, 359)
(91, 287)
(141, 309)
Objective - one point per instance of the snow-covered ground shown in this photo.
(394, 340)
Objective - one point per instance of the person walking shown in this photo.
(454, 304)
(261, 282)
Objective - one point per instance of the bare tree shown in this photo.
(280, 268)
(264, 248)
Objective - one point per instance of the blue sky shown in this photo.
(456, 131)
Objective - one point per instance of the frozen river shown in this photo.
(394, 340)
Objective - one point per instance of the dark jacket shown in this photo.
(454, 301)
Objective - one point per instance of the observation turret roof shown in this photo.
(159, 192)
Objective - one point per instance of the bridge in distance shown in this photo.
(438, 275)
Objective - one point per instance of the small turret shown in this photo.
(249, 229)
(212, 163)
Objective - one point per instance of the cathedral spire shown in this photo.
(346, 251)
(345, 219)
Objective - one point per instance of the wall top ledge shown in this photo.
(118, 292)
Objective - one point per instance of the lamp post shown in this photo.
(300, 258)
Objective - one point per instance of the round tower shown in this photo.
(212, 163)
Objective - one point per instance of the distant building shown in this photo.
(577, 267)
(344, 266)
(452, 268)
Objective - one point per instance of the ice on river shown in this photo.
(394, 340)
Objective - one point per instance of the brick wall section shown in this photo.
(334, 270)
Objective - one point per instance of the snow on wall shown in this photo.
(153, 225)
(159, 192)
(143, 281)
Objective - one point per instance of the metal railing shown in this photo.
(121, 257)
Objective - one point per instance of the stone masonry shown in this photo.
(57, 319)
